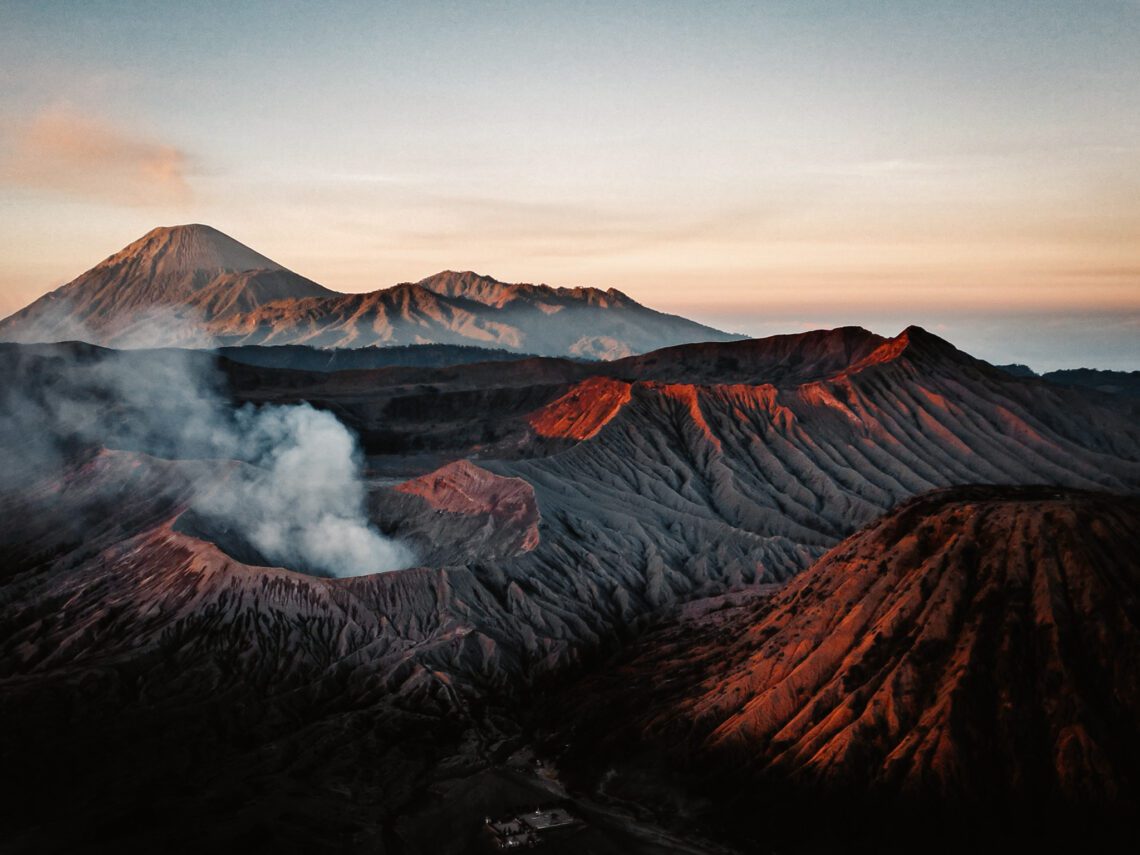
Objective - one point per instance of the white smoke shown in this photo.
(57, 320)
(162, 326)
(300, 501)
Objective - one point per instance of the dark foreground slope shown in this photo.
(968, 661)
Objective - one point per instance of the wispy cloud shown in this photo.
(64, 151)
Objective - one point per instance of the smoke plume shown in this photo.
(302, 500)
(298, 500)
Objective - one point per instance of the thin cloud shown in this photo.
(90, 158)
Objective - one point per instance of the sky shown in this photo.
(766, 167)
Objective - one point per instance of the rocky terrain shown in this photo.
(968, 656)
(177, 694)
(193, 286)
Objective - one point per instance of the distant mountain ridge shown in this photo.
(303, 358)
(491, 292)
(194, 286)
(1123, 383)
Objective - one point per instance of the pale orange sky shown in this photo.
(741, 163)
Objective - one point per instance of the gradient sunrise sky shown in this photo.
(766, 167)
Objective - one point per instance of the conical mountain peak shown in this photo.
(188, 249)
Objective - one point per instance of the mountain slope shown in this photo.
(161, 289)
(470, 309)
(779, 360)
(775, 475)
(975, 641)
(965, 663)
(140, 642)
(194, 286)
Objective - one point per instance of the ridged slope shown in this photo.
(778, 360)
(469, 309)
(975, 643)
(689, 483)
(162, 289)
(491, 292)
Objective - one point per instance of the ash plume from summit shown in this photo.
(296, 496)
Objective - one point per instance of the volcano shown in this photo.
(193, 286)
(971, 644)
(970, 654)
(163, 289)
